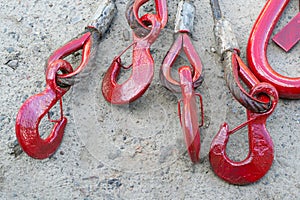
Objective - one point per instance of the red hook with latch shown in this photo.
(37, 106)
(261, 150)
(142, 61)
(258, 44)
(260, 103)
(188, 113)
(190, 78)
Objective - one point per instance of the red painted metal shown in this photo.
(189, 115)
(60, 76)
(84, 42)
(142, 67)
(261, 150)
(35, 108)
(289, 35)
(257, 51)
(161, 9)
(260, 102)
(184, 43)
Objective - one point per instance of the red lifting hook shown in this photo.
(289, 35)
(257, 50)
(261, 150)
(142, 64)
(35, 108)
(187, 106)
(260, 104)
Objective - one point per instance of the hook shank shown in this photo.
(189, 115)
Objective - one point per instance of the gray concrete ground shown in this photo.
(134, 151)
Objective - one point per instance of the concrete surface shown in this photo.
(134, 151)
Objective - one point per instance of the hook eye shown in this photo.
(266, 93)
(261, 148)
